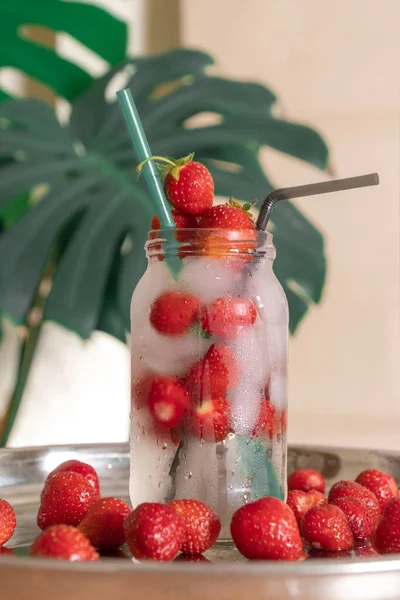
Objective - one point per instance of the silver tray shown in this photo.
(23, 471)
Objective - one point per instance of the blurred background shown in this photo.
(333, 68)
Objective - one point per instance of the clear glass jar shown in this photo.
(209, 368)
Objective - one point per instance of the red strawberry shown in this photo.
(8, 522)
(215, 374)
(168, 400)
(82, 468)
(386, 539)
(202, 525)
(228, 317)
(227, 216)
(271, 421)
(325, 526)
(301, 502)
(66, 499)
(6, 551)
(140, 389)
(188, 185)
(241, 237)
(173, 312)
(182, 221)
(210, 419)
(63, 542)
(343, 489)
(381, 484)
(267, 530)
(191, 558)
(103, 524)
(154, 532)
(305, 480)
(358, 515)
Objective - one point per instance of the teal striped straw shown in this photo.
(142, 149)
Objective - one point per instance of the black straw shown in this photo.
(311, 189)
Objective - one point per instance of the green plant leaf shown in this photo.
(92, 203)
(83, 22)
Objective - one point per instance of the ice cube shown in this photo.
(277, 341)
(277, 389)
(151, 460)
(208, 278)
(269, 297)
(169, 355)
(197, 473)
(252, 354)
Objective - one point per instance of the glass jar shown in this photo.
(209, 367)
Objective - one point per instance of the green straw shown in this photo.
(142, 149)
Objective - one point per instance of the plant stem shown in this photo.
(27, 354)
(26, 359)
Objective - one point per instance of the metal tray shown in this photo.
(23, 471)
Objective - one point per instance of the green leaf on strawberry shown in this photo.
(197, 329)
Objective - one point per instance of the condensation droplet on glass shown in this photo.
(189, 475)
(164, 446)
(109, 466)
(137, 438)
(233, 472)
(246, 497)
(248, 441)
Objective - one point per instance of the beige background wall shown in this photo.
(336, 66)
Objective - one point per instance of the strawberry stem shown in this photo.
(157, 159)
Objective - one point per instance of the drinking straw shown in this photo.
(142, 149)
(311, 189)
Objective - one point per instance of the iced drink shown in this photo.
(209, 368)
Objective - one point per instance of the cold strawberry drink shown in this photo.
(209, 363)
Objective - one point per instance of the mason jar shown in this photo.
(209, 343)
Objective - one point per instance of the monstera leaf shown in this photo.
(89, 214)
(92, 26)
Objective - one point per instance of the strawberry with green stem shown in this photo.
(240, 237)
(188, 185)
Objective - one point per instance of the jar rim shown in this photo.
(163, 233)
(196, 241)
